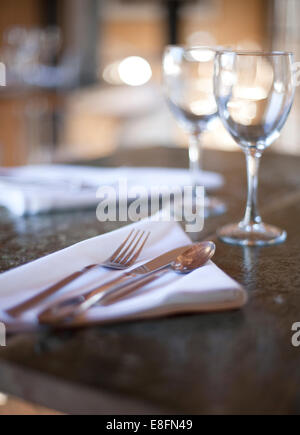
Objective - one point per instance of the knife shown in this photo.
(68, 309)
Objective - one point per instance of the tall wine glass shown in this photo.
(188, 82)
(254, 92)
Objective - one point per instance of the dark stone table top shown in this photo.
(234, 362)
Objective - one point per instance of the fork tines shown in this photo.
(131, 248)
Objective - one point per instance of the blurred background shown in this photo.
(83, 77)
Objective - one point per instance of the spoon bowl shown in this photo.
(194, 258)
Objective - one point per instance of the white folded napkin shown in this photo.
(37, 189)
(206, 289)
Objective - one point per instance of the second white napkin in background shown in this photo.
(38, 189)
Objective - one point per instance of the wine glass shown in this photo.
(188, 82)
(254, 92)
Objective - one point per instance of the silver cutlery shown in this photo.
(124, 257)
(182, 260)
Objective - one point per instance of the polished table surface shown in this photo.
(233, 362)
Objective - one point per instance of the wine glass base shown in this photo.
(252, 235)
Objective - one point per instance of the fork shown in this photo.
(124, 257)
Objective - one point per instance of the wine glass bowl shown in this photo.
(188, 81)
(254, 92)
(189, 88)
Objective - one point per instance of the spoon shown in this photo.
(193, 258)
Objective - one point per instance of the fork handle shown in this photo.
(19, 309)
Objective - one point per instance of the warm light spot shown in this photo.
(250, 93)
(202, 55)
(205, 106)
(242, 111)
(135, 71)
(3, 399)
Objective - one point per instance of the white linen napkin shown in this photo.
(206, 289)
(30, 190)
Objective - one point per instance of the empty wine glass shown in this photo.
(254, 92)
(188, 81)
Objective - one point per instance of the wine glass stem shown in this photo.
(195, 155)
(252, 216)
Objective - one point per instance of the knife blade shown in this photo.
(74, 306)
